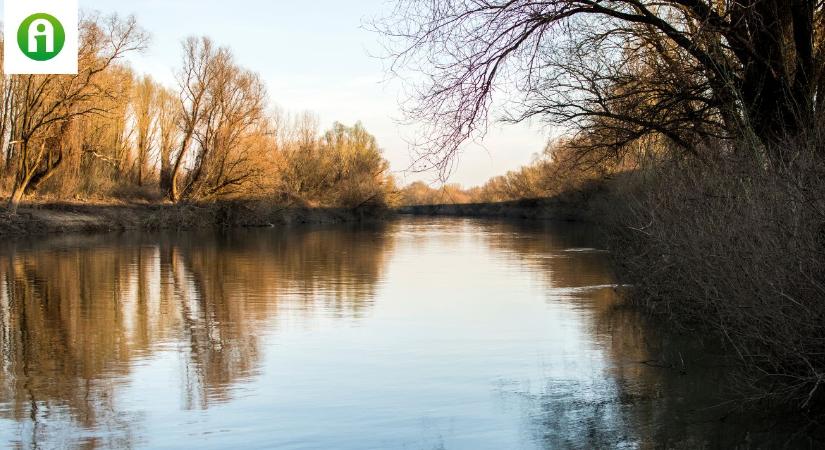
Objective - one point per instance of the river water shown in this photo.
(414, 334)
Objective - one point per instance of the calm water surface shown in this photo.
(417, 334)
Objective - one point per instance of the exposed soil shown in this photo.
(57, 217)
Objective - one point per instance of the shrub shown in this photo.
(736, 247)
(342, 168)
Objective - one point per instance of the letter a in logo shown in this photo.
(47, 37)
(41, 37)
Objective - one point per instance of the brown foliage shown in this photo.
(560, 169)
(342, 167)
(44, 110)
(109, 133)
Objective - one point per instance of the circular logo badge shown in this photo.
(41, 37)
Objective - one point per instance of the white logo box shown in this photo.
(15, 61)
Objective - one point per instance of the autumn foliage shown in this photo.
(111, 133)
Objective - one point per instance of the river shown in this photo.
(414, 334)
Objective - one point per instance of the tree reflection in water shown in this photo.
(94, 329)
(664, 387)
(77, 313)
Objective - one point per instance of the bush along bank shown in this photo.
(737, 250)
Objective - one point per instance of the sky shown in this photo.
(317, 56)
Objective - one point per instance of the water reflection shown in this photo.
(662, 387)
(76, 313)
(421, 333)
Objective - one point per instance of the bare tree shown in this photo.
(235, 116)
(47, 106)
(144, 108)
(6, 112)
(201, 61)
(222, 109)
(746, 68)
(98, 133)
(102, 157)
(167, 122)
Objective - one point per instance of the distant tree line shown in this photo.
(555, 171)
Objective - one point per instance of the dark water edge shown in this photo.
(572, 207)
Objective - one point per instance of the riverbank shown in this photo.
(62, 217)
(537, 208)
(571, 206)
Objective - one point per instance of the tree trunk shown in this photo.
(778, 83)
(165, 169)
(21, 179)
(172, 193)
(165, 179)
(16, 198)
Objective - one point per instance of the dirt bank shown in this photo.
(57, 217)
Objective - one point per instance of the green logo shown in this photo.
(41, 37)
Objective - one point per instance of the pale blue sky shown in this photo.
(313, 55)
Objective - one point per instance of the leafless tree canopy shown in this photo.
(689, 70)
(223, 113)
